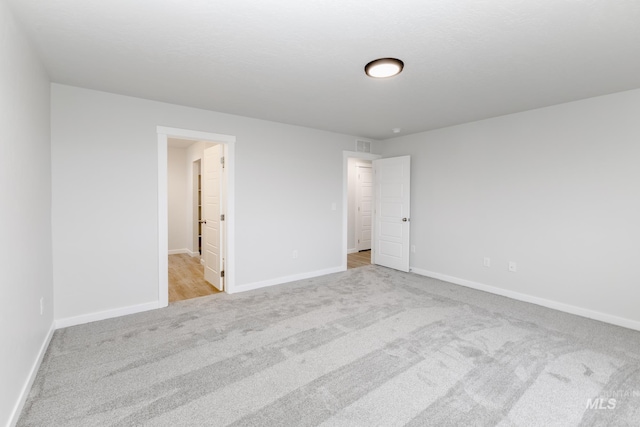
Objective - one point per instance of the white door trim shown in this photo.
(229, 141)
(345, 198)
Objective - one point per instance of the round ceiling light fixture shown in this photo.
(384, 67)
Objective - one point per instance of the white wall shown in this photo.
(286, 179)
(25, 215)
(177, 197)
(557, 190)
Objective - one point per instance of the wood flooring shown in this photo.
(358, 259)
(186, 278)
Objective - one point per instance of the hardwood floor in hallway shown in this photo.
(186, 278)
(358, 259)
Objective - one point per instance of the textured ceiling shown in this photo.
(301, 62)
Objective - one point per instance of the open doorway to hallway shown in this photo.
(195, 193)
(226, 231)
(359, 210)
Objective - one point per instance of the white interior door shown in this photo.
(211, 212)
(392, 184)
(364, 201)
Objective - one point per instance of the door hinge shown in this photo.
(222, 217)
(222, 273)
(222, 161)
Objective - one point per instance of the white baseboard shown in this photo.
(183, 251)
(285, 279)
(107, 314)
(352, 251)
(567, 308)
(179, 251)
(24, 393)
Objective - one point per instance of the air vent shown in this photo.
(363, 146)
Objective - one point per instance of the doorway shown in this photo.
(357, 193)
(363, 207)
(360, 201)
(227, 146)
(195, 180)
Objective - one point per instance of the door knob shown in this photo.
(405, 219)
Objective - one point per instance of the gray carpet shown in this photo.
(367, 347)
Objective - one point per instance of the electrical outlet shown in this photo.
(41, 306)
(294, 255)
(486, 262)
(413, 249)
(512, 266)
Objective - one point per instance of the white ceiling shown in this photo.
(301, 62)
(179, 143)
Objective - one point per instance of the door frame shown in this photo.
(228, 142)
(345, 197)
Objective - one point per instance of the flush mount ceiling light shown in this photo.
(384, 67)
